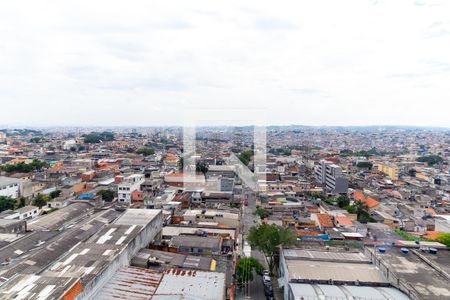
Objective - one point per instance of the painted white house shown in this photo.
(24, 213)
(128, 186)
(10, 187)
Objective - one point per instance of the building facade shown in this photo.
(129, 185)
(10, 187)
(330, 175)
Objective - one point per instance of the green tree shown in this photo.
(268, 239)
(55, 194)
(146, 151)
(202, 167)
(98, 137)
(22, 201)
(36, 140)
(362, 212)
(245, 268)
(444, 238)
(365, 164)
(246, 156)
(106, 195)
(343, 201)
(36, 164)
(262, 212)
(40, 201)
(431, 159)
(7, 203)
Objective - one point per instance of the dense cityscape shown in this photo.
(225, 150)
(119, 213)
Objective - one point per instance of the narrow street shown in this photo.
(255, 289)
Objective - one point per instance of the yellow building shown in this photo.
(425, 177)
(389, 170)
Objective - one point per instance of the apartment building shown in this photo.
(330, 175)
(390, 170)
(129, 185)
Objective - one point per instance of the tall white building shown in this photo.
(331, 176)
(2, 137)
(10, 187)
(128, 186)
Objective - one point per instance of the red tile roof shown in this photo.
(325, 220)
(344, 221)
(369, 201)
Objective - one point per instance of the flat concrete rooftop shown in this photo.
(419, 276)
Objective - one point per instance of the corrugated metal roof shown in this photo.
(325, 255)
(137, 216)
(131, 283)
(336, 292)
(192, 285)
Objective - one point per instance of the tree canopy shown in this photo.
(431, 159)
(201, 167)
(342, 201)
(444, 238)
(55, 194)
(40, 201)
(245, 268)
(7, 203)
(146, 151)
(106, 195)
(261, 212)
(365, 164)
(36, 164)
(268, 239)
(97, 137)
(246, 156)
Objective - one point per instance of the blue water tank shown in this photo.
(433, 250)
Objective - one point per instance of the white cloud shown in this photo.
(305, 62)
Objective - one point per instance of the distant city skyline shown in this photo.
(316, 63)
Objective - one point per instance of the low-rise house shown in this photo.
(197, 244)
(323, 221)
(221, 217)
(23, 213)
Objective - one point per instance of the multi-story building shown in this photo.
(129, 185)
(2, 137)
(10, 187)
(389, 170)
(330, 175)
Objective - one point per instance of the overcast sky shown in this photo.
(359, 62)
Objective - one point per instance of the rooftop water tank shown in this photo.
(433, 250)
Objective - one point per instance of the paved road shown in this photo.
(255, 289)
